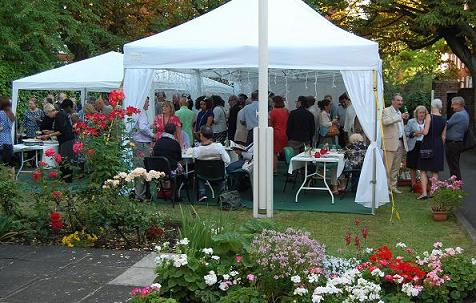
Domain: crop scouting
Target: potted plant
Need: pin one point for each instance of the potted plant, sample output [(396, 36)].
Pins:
[(447, 195)]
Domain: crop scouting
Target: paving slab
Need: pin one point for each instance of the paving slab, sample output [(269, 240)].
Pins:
[(50, 274), (141, 273)]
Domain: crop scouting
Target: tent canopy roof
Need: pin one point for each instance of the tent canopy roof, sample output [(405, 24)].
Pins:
[(101, 72), (298, 38), (105, 72)]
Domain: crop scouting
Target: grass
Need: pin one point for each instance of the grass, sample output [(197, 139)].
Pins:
[(416, 228)]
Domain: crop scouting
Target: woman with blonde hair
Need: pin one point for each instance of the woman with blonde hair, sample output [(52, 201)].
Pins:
[(432, 151), (414, 133), (168, 116)]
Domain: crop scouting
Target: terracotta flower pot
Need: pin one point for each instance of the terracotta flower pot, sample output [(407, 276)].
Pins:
[(440, 215)]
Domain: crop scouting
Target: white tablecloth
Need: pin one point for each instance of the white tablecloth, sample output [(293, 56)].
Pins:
[(298, 161), (41, 150)]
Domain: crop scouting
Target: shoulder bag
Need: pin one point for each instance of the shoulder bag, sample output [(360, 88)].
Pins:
[(427, 154), (469, 142)]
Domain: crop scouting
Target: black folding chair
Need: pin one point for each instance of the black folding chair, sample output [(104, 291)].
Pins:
[(352, 175), (162, 164), (209, 171)]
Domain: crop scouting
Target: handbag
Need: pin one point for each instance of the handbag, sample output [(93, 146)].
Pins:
[(469, 142), (333, 131), (230, 200), (428, 152)]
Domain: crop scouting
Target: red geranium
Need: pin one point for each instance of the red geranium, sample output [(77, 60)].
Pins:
[(42, 164), (130, 110), (50, 152), (91, 131), (53, 174), (116, 97), (78, 147), (36, 175), (58, 158)]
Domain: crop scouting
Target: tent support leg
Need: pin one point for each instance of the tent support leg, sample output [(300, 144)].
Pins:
[(374, 168)]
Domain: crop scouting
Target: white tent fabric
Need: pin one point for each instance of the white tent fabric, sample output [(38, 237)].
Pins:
[(105, 73), (360, 88), (299, 39)]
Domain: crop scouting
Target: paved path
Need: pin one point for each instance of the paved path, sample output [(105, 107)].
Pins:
[(57, 274), (468, 171)]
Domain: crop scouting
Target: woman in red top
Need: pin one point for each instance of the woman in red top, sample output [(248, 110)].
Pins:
[(168, 116), (278, 120)]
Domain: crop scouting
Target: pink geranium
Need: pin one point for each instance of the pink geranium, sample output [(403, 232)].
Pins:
[(50, 152)]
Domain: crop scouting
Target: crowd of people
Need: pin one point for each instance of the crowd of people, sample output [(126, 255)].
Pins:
[(423, 140), (207, 125)]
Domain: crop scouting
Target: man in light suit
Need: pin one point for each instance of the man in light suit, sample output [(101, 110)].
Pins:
[(394, 140)]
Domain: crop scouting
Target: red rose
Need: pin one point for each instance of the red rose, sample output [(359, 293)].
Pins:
[(53, 174), (36, 175), (50, 152), (57, 194), (58, 158), (55, 216), (42, 164)]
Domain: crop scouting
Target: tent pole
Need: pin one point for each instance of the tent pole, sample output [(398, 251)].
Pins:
[(374, 168), (84, 95), (262, 172)]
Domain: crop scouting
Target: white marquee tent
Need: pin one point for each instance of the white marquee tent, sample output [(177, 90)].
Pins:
[(105, 73), (301, 44)]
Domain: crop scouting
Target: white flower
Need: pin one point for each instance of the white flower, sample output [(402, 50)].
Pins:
[(398, 278), (410, 290), (211, 278), (226, 277), (233, 273), (401, 245), (377, 272), (296, 279), (208, 251), (224, 285), (313, 278), (317, 298), (156, 286), (300, 291), (158, 248), (369, 250), (216, 258), (473, 261), (184, 242), (180, 260), (459, 250)]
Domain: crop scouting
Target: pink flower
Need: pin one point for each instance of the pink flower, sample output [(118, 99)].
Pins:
[(437, 245), (78, 147), (251, 277), (388, 278), (58, 158), (238, 259), (50, 152)]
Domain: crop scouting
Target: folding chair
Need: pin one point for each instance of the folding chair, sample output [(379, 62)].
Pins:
[(209, 171), (162, 164), (288, 154)]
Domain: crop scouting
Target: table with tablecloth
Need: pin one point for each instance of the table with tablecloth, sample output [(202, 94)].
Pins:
[(39, 154), (303, 159)]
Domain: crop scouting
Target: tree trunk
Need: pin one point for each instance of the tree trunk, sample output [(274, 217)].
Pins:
[(473, 90)]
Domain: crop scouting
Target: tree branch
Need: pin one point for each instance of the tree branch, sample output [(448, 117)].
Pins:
[(422, 44), (457, 44)]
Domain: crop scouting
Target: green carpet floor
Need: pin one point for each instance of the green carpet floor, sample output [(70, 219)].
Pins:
[(309, 200)]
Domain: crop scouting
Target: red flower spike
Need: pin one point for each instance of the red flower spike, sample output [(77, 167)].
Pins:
[(365, 232), (348, 238), (356, 222), (357, 241)]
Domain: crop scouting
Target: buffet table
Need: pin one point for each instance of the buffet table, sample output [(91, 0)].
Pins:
[(39, 150)]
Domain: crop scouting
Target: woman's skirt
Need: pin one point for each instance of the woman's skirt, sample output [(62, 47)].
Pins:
[(413, 156)]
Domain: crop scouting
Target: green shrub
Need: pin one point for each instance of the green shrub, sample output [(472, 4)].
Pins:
[(243, 295), (9, 192)]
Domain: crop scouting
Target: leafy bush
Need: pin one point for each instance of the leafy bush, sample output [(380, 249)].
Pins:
[(9, 228), (9, 192), (243, 295)]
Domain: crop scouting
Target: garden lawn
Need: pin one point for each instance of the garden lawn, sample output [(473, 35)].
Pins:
[(416, 228)]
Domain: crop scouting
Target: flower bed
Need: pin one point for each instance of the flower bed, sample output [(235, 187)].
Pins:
[(289, 266)]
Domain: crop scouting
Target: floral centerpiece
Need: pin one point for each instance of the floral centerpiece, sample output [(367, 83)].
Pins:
[(447, 195)]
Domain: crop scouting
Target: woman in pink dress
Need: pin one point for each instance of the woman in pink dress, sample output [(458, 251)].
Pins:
[(278, 120), (168, 116)]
